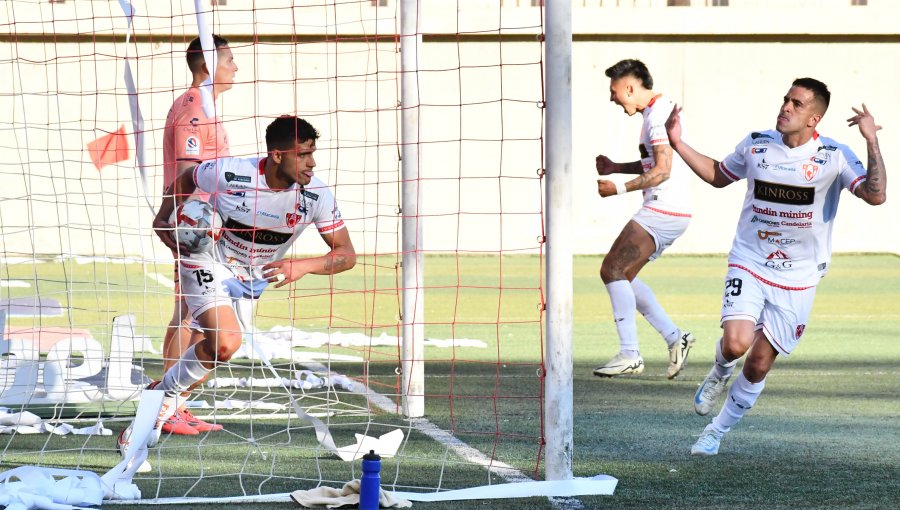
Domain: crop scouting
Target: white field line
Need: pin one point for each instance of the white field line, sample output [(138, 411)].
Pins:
[(15, 283), (162, 280)]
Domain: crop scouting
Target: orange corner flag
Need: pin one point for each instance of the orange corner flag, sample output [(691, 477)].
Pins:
[(110, 148)]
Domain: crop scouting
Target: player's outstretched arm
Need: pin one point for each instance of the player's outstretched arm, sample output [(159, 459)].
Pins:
[(606, 166), (341, 258), (705, 167), (874, 189), (182, 187)]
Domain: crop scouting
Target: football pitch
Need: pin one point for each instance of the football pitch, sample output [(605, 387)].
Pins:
[(824, 434)]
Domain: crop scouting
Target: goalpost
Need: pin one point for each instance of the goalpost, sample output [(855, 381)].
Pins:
[(432, 122)]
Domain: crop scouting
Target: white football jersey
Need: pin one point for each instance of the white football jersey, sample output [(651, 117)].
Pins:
[(259, 224), (784, 233), (674, 195)]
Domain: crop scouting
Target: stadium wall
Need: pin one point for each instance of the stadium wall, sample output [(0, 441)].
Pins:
[(729, 68)]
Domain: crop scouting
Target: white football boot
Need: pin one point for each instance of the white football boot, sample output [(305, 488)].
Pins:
[(709, 392), (621, 364), (678, 354)]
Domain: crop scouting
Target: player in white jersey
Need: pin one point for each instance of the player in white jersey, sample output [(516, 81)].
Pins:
[(265, 203), (782, 246), (664, 180)]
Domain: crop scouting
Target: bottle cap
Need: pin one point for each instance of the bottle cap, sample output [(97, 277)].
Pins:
[(371, 456)]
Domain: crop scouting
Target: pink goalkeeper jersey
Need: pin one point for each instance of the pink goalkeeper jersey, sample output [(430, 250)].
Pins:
[(190, 135), (784, 232), (674, 195)]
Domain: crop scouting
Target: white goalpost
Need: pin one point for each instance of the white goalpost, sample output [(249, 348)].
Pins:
[(448, 349)]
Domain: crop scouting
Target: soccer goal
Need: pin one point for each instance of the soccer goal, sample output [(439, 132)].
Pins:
[(430, 351)]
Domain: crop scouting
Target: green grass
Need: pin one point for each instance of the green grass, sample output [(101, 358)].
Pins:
[(824, 433)]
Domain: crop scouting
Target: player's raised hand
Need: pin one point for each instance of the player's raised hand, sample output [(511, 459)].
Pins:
[(606, 188), (605, 166), (865, 121), (673, 126)]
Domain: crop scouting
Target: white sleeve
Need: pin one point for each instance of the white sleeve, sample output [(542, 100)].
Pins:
[(326, 214), (853, 173), (734, 166), (206, 175), (656, 125)]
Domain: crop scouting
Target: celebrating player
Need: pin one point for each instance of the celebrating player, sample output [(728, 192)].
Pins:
[(190, 137), (664, 216), (782, 247), (265, 203)]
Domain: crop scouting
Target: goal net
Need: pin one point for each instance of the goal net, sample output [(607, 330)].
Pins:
[(324, 372)]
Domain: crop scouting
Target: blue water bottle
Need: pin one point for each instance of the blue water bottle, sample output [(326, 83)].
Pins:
[(370, 483)]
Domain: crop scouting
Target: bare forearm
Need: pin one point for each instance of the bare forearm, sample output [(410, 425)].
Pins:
[(874, 188), (705, 167), (654, 177), (333, 262), (633, 167)]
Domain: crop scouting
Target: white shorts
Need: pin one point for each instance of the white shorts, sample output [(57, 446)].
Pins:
[(207, 284), (780, 313), (664, 228)]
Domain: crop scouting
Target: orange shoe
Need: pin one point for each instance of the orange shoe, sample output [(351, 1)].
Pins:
[(198, 424), (179, 426)]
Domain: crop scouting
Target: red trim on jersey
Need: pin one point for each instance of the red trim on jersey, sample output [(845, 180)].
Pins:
[(262, 166), (815, 135), (727, 172), (772, 339), (334, 226), (657, 96), (856, 182), (767, 282), (670, 213)]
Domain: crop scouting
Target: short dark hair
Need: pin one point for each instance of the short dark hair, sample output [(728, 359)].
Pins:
[(631, 67), (287, 130), (194, 53), (820, 90)]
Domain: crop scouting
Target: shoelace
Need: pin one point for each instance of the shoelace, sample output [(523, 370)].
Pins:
[(710, 389), (188, 416), (707, 439)]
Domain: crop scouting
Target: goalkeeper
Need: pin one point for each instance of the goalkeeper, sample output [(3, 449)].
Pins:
[(189, 138), (265, 203)]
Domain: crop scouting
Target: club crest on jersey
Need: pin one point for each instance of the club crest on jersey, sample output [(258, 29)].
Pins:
[(292, 219), (192, 146), (800, 329), (810, 170)]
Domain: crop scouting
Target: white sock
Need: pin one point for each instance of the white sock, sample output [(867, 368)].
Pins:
[(183, 373), (723, 367), (650, 308), (623, 304), (741, 397)]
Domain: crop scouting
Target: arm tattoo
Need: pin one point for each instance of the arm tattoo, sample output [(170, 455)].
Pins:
[(336, 263), (875, 175)]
